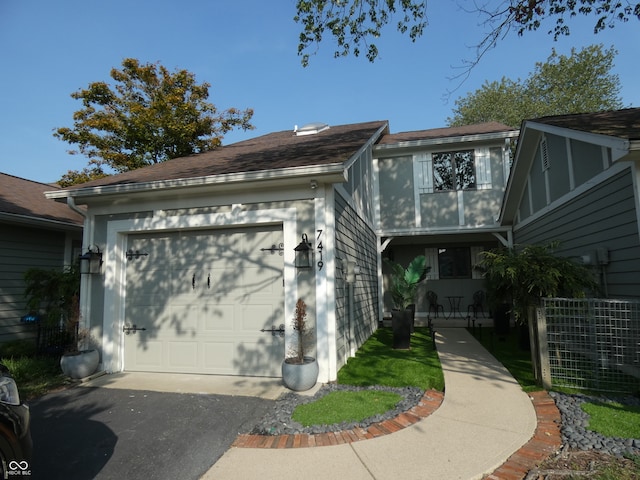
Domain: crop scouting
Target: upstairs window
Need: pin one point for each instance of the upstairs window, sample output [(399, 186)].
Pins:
[(454, 171)]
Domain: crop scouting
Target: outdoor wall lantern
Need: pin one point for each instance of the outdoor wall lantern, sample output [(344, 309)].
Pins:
[(304, 257), (91, 261)]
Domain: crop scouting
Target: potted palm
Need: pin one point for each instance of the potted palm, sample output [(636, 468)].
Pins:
[(404, 285), (300, 371), (57, 293)]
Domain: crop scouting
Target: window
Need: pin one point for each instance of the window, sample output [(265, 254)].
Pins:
[(454, 171), (454, 262)]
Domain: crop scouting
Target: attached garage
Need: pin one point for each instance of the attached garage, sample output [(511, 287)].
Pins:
[(199, 302), (199, 271)]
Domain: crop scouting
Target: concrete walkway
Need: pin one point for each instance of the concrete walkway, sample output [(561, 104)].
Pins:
[(485, 417)]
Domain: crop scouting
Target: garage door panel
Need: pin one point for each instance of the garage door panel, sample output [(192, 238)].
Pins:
[(182, 354), (205, 305)]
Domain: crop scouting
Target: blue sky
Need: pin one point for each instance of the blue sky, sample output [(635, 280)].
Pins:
[(247, 51)]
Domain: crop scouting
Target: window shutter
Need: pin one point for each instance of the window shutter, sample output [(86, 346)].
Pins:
[(431, 255), (483, 169), (476, 258), (424, 168)]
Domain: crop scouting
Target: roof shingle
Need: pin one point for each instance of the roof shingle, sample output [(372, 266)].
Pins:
[(26, 198)]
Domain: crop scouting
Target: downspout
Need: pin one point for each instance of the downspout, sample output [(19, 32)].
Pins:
[(71, 203)]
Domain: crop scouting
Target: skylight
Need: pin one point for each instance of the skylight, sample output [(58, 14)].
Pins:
[(311, 128)]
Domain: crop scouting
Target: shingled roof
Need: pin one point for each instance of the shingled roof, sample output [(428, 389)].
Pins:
[(279, 150), (618, 123), (477, 129), (25, 200)]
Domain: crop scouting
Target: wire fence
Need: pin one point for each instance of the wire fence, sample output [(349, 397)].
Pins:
[(590, 344)]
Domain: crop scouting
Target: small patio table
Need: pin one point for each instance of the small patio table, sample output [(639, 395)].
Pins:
[(454, 305)]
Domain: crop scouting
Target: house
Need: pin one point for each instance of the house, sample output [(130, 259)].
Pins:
[(198, 254), (34, 232), (439, 194), (575, 179)]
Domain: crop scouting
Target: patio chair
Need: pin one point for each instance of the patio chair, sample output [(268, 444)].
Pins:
[(434, 306), (478, 304)]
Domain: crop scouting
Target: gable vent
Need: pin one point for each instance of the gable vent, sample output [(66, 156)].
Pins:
[(544, 151), (310, 129)]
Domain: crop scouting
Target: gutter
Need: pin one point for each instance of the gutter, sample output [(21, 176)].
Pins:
[(448, 140), (336, 171)]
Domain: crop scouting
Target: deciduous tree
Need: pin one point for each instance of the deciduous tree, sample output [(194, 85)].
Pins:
[(579, 83), (147, 116)]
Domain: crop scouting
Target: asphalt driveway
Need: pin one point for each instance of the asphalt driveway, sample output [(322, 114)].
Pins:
[(85, 432)]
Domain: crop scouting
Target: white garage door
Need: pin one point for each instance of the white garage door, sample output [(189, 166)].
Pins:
[(202, 298)]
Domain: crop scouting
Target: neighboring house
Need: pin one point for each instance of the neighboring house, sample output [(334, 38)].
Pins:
[(576, 179), (439, 194), (34, 232), (199, 251)]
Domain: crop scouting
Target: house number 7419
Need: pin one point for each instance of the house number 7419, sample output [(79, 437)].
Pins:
[(319, 248)]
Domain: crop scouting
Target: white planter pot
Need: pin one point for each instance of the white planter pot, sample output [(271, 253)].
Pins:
[(80, 365), (300, 376)]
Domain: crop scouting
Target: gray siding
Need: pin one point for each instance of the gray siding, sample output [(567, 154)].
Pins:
[(397, 204), (355, 242), (22, 248), (602, 217)]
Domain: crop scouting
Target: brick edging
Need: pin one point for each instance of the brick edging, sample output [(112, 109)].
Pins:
[(545, 442), (428, 404)]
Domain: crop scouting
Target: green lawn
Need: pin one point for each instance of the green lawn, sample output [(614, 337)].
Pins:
[(377, 363)]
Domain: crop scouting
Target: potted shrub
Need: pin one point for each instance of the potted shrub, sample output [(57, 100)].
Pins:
[(57, 292), (300, 371), (404, 284)]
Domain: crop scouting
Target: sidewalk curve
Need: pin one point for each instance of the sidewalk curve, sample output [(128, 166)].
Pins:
[(484, 419)]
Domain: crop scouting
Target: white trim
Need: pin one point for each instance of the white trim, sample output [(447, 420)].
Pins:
[(375, 169), (572, 180), (619, 146), (325, 285), (114, 264), (461, 218)]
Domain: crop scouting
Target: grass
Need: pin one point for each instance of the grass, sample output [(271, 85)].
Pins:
[(35, 376), (613, 419), (377, 363), (337, 407)]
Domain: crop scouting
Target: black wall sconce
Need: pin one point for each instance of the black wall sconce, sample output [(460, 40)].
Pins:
[(304, 257), (91, 261)]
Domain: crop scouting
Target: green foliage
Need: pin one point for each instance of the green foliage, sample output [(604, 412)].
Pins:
[(18, 348), (579, 83), (377, 363), (529, 14), (56, 292), (353, 23), (35, 376), (150, 115), (613, 419), (404, 282), (340, 406), (522, 276)]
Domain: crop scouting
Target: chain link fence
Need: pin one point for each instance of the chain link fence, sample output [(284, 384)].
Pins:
[(589, 344)]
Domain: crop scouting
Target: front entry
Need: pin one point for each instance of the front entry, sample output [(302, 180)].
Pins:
[(198, 302)]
